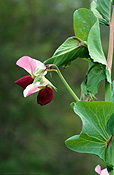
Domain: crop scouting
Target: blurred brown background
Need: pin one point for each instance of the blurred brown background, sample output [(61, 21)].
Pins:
[(32, 137)]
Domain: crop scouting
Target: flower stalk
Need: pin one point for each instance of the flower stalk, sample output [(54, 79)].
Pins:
[(64, 82)]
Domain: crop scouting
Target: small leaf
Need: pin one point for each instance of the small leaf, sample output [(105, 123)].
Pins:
[(95, 74), (84, 88), (110, 125), (104, 8), (86, 27), (71, 49), (94, 77), (84, 19), (93, 137), (97, 14), (94, 45)]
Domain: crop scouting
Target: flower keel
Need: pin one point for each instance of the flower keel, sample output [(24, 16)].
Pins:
[(45, 96)]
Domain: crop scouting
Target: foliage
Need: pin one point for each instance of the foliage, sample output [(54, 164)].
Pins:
[(94, 138), (94, 135), (28, 139), (31, 137)]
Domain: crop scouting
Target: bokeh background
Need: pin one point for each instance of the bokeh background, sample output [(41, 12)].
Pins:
[(32, 137)]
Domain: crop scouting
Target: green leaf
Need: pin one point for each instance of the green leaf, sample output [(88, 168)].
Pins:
[(86, 27), (94, 45), (110, 130), (86, 144), (94, 77), (84, 19), (104, 8), (87, 34), (97, 14), (93, 137), (95, 74), (110, 125), (71, 49)]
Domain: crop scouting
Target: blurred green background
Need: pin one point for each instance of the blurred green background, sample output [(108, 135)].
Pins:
[(32, 137)]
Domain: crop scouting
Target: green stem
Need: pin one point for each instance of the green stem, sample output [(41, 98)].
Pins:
[(111, 155), (108, 88), (67, 86), (109, 59), (65, 83), (107, 91), (111, 173)]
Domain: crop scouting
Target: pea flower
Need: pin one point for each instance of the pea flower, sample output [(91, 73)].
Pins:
[(36, 81), (101, 172)]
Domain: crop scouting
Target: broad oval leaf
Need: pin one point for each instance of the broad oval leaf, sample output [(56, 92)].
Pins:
[(110, 125), (86, 27), (86, 144), (84, 19), (97, 14), (94, 77), (71, 49), (95, 74), (94, 45), (104, 8), (94, 136)]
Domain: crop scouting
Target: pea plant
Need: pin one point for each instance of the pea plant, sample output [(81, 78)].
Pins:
[(96, 136)]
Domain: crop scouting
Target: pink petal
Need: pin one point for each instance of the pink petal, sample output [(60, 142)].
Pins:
[(25, 81), (45, 96), (30, 64), (32, 88), (104, 172), (98, 169)]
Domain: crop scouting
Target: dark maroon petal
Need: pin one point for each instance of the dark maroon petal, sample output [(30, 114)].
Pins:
[(25, 81), (45, 96)]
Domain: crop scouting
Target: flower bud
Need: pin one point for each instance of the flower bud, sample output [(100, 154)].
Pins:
[(45, 96)]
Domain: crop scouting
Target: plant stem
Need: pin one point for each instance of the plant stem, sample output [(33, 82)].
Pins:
[(111, 38), (108, 87), (67, 86), (65, 83), (109, 59), (111, 155), (107, 91)]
